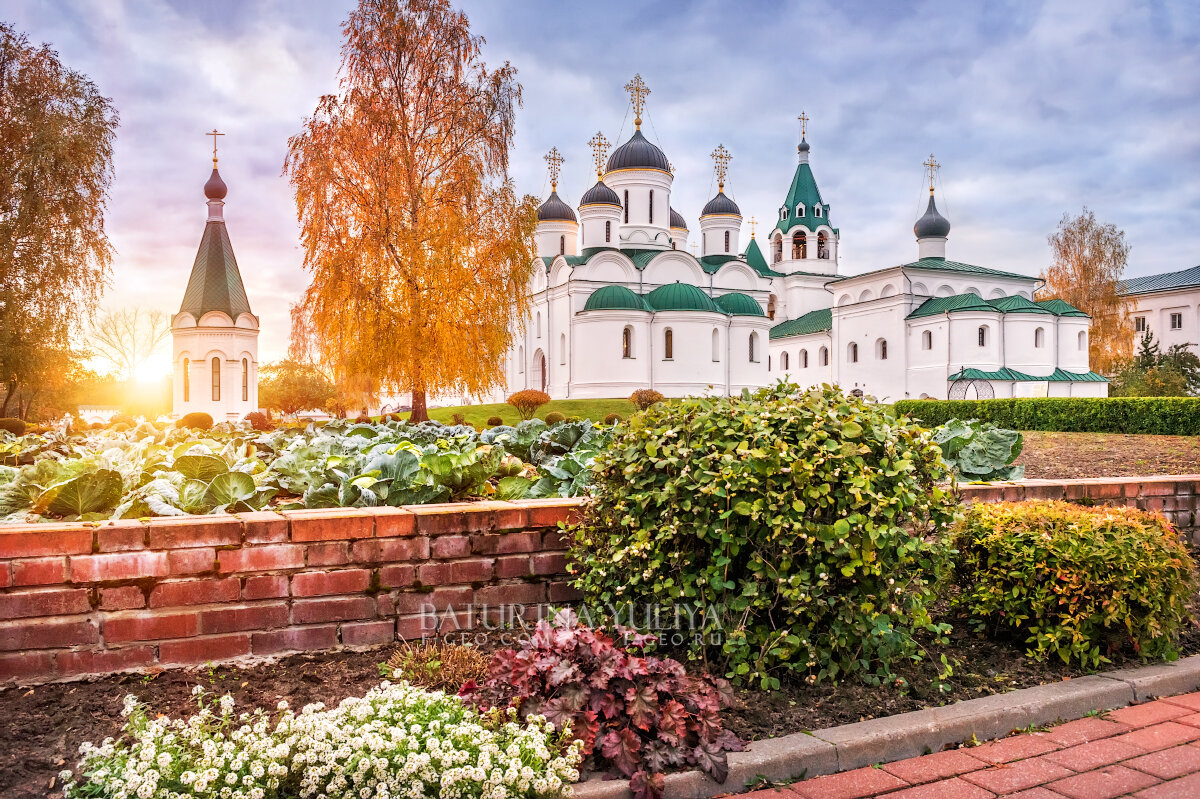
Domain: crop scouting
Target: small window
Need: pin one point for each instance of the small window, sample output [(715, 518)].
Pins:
[(652, 206), (627, 343), (824, 356), (607, 232), (627, 206), (800, 211), (716, 345), (881, 349), (726, 241), (983, 336), (927, 340), (753, 348), (187, 380), (245, 380), (539, 324), (1039, 337), (783, 361), (1139, 324), (803, 359), (521, 360), (668, 344), (852, 354), (216, 379), (816, 210), (768, 363), (1082, 340), (783, 214), (562, 349), (1177, 321), (562, 245)]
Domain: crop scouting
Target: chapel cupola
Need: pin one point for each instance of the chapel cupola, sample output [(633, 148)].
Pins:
[(932, 229), (803, 231), (640, 174), (721, 219), (557, 229), (600, 208)]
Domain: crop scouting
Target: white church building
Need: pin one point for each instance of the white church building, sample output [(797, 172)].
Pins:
[(215, 334), (619, 303)]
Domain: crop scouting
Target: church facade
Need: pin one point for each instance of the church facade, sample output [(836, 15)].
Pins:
[(619, 303)]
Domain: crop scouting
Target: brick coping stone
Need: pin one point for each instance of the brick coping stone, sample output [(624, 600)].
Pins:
[(907, 735)]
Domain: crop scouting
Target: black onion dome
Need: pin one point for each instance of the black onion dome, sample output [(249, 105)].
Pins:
[(677, 220), (638, 153), (600, 194), (555, 210), (933, 224), (215, 188), (721, 204), (803, 146)]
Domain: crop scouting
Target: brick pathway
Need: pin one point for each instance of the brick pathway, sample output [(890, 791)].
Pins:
[(1148, 751)]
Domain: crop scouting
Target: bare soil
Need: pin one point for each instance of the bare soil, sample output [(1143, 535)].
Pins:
[(1057, 456)]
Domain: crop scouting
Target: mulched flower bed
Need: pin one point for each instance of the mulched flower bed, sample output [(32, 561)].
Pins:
[(1059, 456), (44, 725)]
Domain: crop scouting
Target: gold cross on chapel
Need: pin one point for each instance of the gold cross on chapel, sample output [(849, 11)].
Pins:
[(599, 146), (721, 159), (638, 90), (933, 167), (214, 134), (555, 160), (803, 124), (753, 224)]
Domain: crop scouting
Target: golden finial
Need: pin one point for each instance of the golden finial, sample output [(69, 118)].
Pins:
[(638, 90), (214, 134), (555, 160), (803, 124), (599, 146), (721, 159), (753, 223), (933, 166)]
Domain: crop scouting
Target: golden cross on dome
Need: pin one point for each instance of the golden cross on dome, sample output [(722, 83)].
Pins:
[(638, 90), (933, 166), (555, 160), (599, 146), (214, 134), (803, 124), (753, 223), (721, 159)]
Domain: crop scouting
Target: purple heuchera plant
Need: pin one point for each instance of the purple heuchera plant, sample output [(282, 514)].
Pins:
[(639, 715)]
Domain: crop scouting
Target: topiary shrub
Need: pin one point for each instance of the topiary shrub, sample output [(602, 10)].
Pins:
[(645, 397), (554, 417), (1080, 584), (800, 521), (612, 418), (196, 420), (494, 421), (528, 401), (258, 420), (14, 426)]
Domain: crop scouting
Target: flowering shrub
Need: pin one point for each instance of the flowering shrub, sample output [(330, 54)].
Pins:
[(797, 524), (1078, 583), (643, 714), (395, 741)]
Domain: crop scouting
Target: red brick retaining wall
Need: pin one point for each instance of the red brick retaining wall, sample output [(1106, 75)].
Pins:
[(86, 598)]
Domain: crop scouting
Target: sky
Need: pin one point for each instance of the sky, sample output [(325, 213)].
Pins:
[(1033, 109)]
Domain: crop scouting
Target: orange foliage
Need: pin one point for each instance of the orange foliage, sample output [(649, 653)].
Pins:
[(528, 401)]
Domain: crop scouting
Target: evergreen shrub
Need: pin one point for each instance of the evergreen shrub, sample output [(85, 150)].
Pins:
[(554, 417), (1081, 584), (1166, 416), (802, 523), (14, 426), (196, 420)]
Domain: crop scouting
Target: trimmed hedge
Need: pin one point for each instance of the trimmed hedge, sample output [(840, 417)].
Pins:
[(1165, 416)]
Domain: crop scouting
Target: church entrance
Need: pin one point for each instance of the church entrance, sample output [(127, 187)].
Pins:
[(539, 360)]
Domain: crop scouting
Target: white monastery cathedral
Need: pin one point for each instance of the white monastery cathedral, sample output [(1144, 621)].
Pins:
[(619, 303)]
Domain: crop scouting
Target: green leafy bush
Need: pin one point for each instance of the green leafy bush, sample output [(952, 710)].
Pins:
[(554, 417), (980, 451), (14, 426), (796, 520), (1167, 416), (196, 420), (1078, 583)]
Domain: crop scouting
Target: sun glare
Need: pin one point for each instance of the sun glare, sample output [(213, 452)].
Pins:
[(153, 369)]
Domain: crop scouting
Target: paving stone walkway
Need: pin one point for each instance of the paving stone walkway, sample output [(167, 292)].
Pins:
[(1148, 751)]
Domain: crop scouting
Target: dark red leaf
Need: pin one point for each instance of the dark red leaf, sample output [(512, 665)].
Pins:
[(642, 704), (711, 758), (647, 786), (622, 748)]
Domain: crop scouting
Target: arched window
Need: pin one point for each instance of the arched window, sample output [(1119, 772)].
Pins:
[(627, 206), (627, 342), (881, 349), (562, 245), (822, 243), (216, 379), (783, 362), (817, 210), (716, 345), (187, 380), (1039, 337), (800, 245), (777, 247), (753, 348), (852, 352), (768, 363), (562, 348), (1082, 340), (783, 214), (245, 380), (652, 206), (726, 241), (668, 344), (520, 360), (824, 356), (983, 335), (800, 211), (927, 340), (803, 359), (608, 231), (539, 324)]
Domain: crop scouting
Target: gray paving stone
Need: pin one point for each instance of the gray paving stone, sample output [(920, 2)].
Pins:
[(784, 758), (880, 740), (1161, 679)]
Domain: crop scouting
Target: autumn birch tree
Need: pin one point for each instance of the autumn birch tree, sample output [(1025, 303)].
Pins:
[(1089, 259), (419, 247)]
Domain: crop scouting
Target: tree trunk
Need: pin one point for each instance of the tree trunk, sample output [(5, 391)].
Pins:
[(8, 396), (419, 413)]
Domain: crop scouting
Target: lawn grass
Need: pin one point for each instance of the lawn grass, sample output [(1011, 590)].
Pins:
[(594, 409)]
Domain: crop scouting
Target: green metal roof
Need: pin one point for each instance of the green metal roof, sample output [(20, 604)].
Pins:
[(711, 263), (817, 321), (942, 265), (1017, 304), (1057, 376), (755, 258), (1185, 278), (737, 304), (1061, 308), (957, 302), (680, 297), (803, 190), (615, 298), (215, 283)]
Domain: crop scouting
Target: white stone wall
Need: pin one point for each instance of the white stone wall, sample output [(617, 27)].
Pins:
[(232, 344), (1157, 308)]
